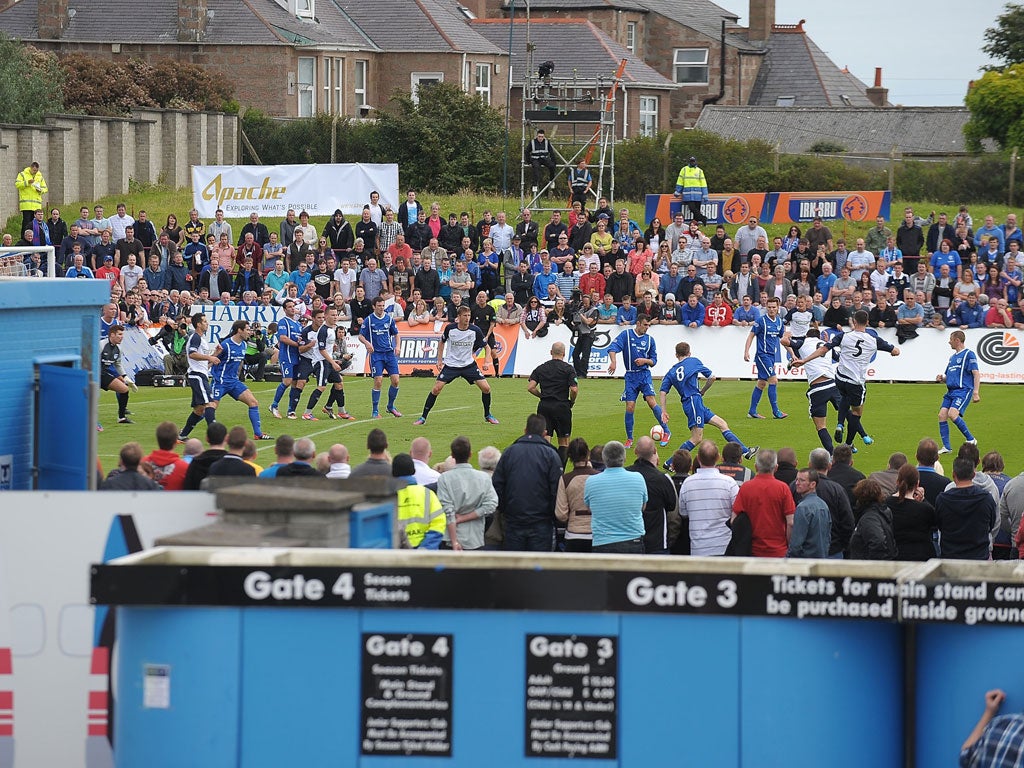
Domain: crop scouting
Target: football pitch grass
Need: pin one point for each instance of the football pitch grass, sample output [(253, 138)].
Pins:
[(897, 416)]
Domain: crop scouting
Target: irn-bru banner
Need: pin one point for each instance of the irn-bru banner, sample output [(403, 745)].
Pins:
[(777, 207), (417, 348)]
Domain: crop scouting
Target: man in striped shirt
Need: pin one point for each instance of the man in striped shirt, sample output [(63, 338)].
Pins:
[(706, 498)]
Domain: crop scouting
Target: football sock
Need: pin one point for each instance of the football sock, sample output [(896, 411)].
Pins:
[(659, 415), (630, 417), (375, 396), (730, 436), (826, 439), (431, 399), (962, 426), (855, 428), (485, 398), (190, 423), (210, 414), (279, 394), (311, 403), (392, 396), (755, 398), (293, 399), (122, 404), (254, 419), (687, 446), (773, 397), (944, 433), (563, 454)]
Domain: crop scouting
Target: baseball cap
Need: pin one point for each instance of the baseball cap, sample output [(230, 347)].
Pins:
[(108, 257)]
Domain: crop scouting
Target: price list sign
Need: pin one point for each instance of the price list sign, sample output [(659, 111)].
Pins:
[(571, 696), (407, 695)]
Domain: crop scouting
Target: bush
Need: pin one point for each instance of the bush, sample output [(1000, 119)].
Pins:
[(30, 83)]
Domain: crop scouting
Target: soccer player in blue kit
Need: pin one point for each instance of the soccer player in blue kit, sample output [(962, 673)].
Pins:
[(768, 330), (224, 375), (379, 334), (684, 377), (289, 330), (963, 380), (639, 356)]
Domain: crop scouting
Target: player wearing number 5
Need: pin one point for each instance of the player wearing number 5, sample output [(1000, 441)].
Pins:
[(962, 383), (684, 377), (639, 356), (856, 350)]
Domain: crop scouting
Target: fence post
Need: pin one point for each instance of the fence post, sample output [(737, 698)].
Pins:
[(1013, 172), (892, 168)]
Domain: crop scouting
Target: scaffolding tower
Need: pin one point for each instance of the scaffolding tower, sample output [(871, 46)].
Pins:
[(587, 108)]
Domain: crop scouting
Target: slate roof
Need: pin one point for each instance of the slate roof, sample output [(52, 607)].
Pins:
[(571, 44), (796, 67), (703, 16), (381, 25), (416, 26), (875, 130)]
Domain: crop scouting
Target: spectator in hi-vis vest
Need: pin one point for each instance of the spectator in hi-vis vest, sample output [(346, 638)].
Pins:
[(692, 187), (31, 187)]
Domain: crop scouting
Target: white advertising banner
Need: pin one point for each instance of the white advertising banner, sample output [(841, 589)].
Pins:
[(270, 190), (721, 350)]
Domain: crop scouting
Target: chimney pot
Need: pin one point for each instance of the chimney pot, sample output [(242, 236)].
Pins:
[(878, 77)]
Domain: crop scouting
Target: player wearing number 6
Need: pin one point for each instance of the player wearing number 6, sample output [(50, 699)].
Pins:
[(962, 383), (685, 377), (856, 350)]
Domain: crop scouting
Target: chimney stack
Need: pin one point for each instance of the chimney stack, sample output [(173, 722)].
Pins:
[(191, 20), (52, 18), (762, 19), (876, 94)]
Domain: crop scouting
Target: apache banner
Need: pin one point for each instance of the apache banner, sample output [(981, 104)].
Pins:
[(776, 207), (270, 190)]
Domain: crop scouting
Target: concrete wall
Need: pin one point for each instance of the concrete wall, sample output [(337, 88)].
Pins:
[(85, 158)]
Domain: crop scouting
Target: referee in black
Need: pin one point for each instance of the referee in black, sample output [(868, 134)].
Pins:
[(554, 383)]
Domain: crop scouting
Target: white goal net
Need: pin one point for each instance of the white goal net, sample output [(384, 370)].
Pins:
[(17, 261)]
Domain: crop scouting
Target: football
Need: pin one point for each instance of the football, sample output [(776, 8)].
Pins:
[(657, 433)]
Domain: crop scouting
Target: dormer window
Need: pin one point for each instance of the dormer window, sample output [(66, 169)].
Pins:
[(304, 9)]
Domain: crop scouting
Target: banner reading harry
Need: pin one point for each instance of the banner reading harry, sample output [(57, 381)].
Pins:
[(270, 190)]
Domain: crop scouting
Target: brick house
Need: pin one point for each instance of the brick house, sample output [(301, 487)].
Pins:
[(287, 57), (702, 48), (588, 53)]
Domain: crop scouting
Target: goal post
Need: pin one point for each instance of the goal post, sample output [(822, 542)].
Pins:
[(14, 260)]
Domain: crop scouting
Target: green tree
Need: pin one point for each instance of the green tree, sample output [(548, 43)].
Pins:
[(1005, 41), (445, 140), (30, 83), (996, 102)]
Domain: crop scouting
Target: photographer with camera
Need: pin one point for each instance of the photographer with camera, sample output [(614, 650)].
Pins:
[(258, 350), (174, 336)]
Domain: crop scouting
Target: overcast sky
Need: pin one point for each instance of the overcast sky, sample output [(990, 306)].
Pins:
[(928, 51)]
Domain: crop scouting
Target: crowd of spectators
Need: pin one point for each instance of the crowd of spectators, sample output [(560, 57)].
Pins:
[(707, 503)]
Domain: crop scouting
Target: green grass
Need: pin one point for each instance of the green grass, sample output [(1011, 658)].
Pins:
[(896, 415)]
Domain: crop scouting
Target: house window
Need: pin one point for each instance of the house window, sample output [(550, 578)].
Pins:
[(691, 66), (648, 115), (631, 36), (307, 86), (362, 83), (424, 79), (304, 9), (483, 83), (334, 80)]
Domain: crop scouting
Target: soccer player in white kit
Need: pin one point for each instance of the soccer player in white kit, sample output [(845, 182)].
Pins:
[(856, 349), (821, 389)]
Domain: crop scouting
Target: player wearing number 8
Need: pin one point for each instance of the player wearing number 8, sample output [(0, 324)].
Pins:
[(684, 377)]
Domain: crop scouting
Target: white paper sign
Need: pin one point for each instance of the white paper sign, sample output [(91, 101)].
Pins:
[(156, 686)]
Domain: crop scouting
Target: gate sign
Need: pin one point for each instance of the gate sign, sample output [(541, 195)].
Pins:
[(776, 207)]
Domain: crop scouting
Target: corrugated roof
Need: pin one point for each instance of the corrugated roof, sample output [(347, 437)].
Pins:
[(574, 45), (875, 130), (795, 67)]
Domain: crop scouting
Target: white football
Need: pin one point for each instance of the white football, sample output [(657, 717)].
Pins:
[(657, 433)]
